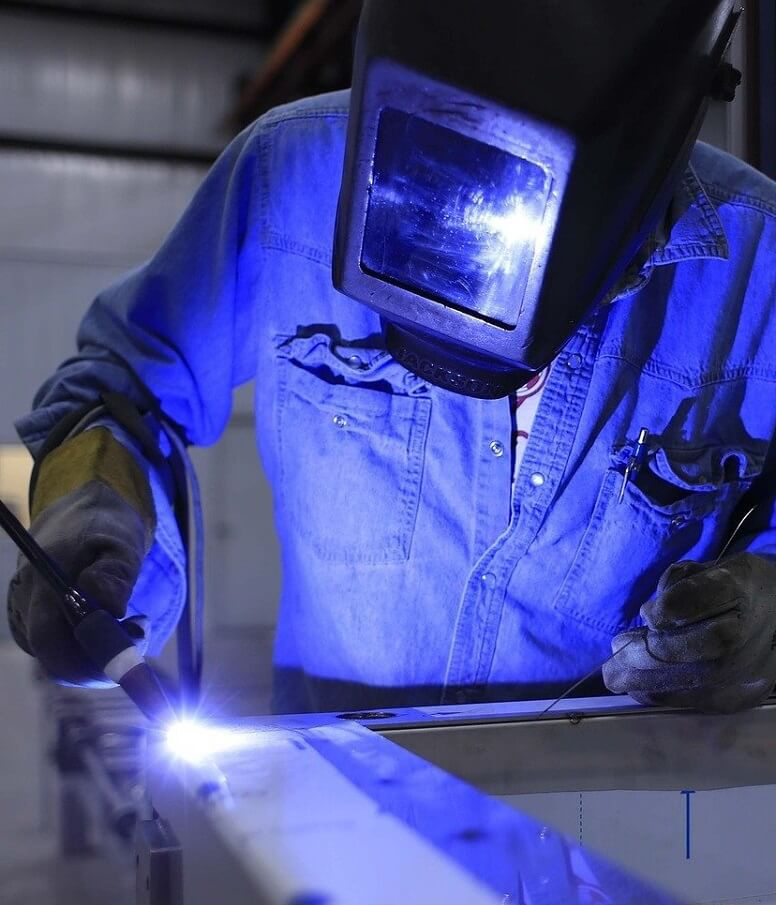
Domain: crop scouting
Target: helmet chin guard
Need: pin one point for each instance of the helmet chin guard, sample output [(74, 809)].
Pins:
[(451, 367)]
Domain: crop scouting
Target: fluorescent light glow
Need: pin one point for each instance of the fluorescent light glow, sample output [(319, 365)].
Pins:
[(194, 741)]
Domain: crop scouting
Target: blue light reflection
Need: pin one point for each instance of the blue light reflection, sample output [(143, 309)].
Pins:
[(194, 741), (453, 218)]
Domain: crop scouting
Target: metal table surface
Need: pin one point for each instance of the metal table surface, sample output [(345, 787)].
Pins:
[(474, 804)]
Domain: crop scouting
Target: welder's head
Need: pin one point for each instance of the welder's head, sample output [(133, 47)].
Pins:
[(505, 163)]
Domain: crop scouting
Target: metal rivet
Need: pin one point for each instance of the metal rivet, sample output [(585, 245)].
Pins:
[(537, 479), (355, 362), (574, 362), (497, 448), (340, 420), (488, 579)]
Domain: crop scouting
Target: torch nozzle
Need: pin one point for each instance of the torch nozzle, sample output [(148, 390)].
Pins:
[(143, 687)]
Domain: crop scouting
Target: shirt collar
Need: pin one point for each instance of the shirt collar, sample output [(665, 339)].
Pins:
[(691, 230)]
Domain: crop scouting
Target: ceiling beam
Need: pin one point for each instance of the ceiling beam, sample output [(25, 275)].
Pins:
[(320, 33)]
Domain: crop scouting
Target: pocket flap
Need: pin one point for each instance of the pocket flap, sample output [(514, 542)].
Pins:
[(346, 399), (706, 469), (336, 361), (351, 456)]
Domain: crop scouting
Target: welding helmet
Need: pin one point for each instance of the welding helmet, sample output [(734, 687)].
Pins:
[(505, 163)]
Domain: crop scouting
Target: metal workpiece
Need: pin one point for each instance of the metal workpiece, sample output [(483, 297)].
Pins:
[(333, 808), (158, 863), (592, 745)]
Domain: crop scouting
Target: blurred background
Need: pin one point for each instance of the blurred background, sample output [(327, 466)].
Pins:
[(111, 112)]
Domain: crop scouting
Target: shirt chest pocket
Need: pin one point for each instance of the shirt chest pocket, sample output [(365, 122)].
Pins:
[(351, 464), (679, 506)]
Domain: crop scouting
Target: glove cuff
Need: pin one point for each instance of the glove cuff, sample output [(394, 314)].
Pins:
[(94, 455)]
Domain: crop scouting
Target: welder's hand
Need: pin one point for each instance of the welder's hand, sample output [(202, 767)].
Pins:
[(709, 641), (93, 513)]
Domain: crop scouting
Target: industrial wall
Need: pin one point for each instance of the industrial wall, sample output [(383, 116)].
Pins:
[(108, 123)]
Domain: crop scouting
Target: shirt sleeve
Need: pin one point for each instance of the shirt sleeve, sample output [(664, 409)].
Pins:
[(180, 329), (180, 333)]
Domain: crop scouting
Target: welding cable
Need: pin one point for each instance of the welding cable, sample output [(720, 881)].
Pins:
[(190, 631)]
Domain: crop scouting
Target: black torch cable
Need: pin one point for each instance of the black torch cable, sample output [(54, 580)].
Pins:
[(43, 563)]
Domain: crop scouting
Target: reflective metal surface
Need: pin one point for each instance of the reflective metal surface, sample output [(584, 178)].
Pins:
[(321, 808), (591, 744)]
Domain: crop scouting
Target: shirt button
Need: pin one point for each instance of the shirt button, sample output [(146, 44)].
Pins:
[(537, 479), (497, 448), (488, 579), (678, 520), (574, 362), (340, 420)]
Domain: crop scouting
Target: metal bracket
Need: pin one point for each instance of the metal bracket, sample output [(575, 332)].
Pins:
[(159, 864)]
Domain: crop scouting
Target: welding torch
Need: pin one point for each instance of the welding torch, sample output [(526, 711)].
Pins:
[(103, 638)]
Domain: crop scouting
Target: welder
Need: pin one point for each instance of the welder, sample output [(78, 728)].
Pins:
[(514, 361)]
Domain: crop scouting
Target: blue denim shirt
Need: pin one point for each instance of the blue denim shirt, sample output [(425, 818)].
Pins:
[(415, 569)]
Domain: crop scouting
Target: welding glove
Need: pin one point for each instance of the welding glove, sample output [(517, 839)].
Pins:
[(92, 511), (710, 638)]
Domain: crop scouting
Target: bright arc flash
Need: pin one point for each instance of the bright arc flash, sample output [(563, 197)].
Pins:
[(503, 232), (194, 742)]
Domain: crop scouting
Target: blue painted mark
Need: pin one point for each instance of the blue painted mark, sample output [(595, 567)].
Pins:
[(687, 793)]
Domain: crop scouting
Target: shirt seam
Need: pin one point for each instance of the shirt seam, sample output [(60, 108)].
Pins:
[(271, 239), (270, 121), (672, 375), (720, 193)]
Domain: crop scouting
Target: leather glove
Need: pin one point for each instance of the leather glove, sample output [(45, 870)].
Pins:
[(92, 512), (710, 638)]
